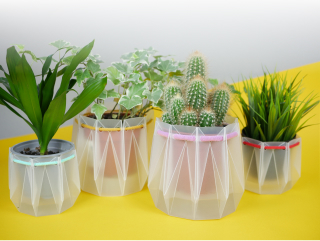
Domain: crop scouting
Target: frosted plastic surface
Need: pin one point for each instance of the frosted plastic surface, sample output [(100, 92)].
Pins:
[(111, 163), (271, 171), (196, 179), (41, 190)]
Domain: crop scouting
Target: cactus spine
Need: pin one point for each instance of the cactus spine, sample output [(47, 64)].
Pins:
[(197, 93), (171, 90), (207, 118), (220, 103), (196, 66), (188, 117), (176, 107), (166, 118)]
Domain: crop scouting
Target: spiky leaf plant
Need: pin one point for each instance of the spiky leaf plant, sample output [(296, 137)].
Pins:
[(176, 107), (207, 118), (220, 103), (45, 110), (273, 110), (188, 117)]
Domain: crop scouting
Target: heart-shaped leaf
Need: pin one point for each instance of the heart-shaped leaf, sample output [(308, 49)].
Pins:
[(153, 75), (112, 93), (168, 66), (129, 103), (103, 95), (93, 67), (98, 110), (60, 44), (114, 75), (123, 68), (67, 60), (133, 78), (137, 89), (153, 96), (127, 57)]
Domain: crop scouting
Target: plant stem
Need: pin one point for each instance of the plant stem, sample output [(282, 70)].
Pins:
[(114, 108)]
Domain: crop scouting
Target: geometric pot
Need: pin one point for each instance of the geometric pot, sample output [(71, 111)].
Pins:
[(112, 155), (196, 172), (271, 167), (44, 185)]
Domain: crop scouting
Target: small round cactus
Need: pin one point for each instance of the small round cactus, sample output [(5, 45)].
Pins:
[(220, 103), (197, 93), (196, 66), (207, 118), (171, 90), (176, 107), (166, 118), (188, 118)]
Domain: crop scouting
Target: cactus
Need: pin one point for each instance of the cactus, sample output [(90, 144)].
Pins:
[(176, 107), (185, 103), (220, 103), (188, 117), (171, 90), (197, 93), (166, 118), (196, 66), (207, 118)]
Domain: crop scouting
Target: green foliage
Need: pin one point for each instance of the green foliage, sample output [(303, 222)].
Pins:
[(176, 107), (44, 110), (273, 110), (196, 66), (188, 118), (220, 104), (197, 94), (166, 118), (207, 118)]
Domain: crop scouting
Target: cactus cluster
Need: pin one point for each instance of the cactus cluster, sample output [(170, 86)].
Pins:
[(190, 103)]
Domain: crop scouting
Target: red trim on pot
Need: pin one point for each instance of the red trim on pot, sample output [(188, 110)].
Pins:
[(270, 147)]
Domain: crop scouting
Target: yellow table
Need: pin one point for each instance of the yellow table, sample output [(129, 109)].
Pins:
[(292, 215)]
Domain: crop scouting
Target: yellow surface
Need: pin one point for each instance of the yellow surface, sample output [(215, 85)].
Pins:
[(292, 215)]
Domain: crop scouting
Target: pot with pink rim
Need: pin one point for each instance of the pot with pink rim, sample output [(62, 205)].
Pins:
[(196, 172)]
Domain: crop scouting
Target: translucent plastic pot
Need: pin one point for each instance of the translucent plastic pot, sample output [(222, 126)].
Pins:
[(196, 172), (44, 185), (112, 155), (271, 167)]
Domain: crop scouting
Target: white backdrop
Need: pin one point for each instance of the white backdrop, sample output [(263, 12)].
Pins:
[(238, 37)]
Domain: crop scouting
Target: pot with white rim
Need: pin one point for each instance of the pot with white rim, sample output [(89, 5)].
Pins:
[(196, 172), (113, 154), (43, 185), (271, 167)]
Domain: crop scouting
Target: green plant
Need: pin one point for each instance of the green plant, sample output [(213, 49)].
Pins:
[(188, 117), (140, 76), (273, 110), (220, 103), (207, 118), (198, 106), (45, 110)]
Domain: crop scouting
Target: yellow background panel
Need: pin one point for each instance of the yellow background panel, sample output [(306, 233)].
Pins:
[(292, 215)]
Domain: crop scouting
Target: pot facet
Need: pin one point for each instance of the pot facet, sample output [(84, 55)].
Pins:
[(113, 161), (44, 185), (196, 172), (271, 167)]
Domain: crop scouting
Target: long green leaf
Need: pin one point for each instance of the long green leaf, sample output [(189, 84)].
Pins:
[(48, 89), (12, 59), (27, 91), (46, 65), (78, 58), (9, 98), (87, 96), (52, 120)]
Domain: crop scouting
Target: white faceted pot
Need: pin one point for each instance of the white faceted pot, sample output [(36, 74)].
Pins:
[(271, 167), (112, 155), (196, 172), (44, 185)]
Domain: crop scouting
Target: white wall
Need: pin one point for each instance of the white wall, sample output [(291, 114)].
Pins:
[(238, 37)]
